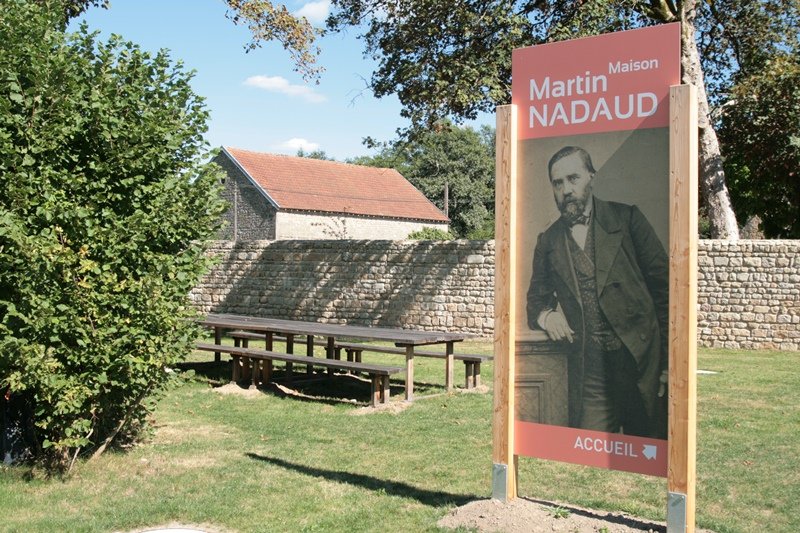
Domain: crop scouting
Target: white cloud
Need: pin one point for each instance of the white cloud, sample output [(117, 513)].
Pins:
[(278, 84), (315, 12), (295, 144)]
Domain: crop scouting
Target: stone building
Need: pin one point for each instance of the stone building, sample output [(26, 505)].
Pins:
[(278, 197)]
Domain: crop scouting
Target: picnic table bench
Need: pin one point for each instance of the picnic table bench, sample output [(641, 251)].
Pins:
[(379, 374), (472, 362), (405, 339), (243, 338)]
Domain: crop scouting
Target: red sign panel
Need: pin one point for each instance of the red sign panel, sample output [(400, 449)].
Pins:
[(613, 82), (616, 451)]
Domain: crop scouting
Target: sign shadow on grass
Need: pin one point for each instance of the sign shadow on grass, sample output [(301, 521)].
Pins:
[(395, 488), (620, 519)]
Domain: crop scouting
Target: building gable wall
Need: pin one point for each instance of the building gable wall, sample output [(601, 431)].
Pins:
[(249, 216)]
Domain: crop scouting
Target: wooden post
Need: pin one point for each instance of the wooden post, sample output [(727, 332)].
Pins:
[(682, 310), (268, 341), (309, 352), (217, 340), (503, 472), (386, 389), (289, 350), (330, 348), (266, 371), (449, 361), (289, 343), (246, 369), (409, 373), (375, 396), (254, 372), (235, 370)]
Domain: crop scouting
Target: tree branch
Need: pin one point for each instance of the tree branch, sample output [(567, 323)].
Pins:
[(102, 448)]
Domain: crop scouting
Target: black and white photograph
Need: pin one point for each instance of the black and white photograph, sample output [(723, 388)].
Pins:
[(593, 282)]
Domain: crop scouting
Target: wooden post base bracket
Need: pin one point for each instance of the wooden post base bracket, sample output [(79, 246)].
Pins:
[(500, 482)]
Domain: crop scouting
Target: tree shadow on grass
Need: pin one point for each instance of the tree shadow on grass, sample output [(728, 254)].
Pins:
[(394, 488), (320, 389), (215, 373), (337, 387), (349, 386)]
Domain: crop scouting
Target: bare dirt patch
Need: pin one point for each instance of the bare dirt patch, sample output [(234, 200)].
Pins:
[(524, 515), (480, 389), (233, 388), (391, 407)]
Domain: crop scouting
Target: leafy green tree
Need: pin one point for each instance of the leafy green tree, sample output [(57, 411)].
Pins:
[(453, 167), (71, 8), (272, 21), (760, 132), (430, 234), (389, 155), (104, 213), (314, 154)]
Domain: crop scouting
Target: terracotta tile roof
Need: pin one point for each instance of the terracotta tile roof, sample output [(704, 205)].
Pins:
[(314, 185)]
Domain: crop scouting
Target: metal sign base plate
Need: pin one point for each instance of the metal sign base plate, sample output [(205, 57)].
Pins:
[(676, 512), (499, 482)]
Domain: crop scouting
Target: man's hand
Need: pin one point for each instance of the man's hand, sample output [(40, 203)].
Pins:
[(662, 383), (556, 326)]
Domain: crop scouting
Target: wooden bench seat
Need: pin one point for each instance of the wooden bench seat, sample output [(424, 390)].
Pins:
[(243, 338), (472, 362), (379, 374)]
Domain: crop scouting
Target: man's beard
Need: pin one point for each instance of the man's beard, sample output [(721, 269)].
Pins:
[(572, 208)]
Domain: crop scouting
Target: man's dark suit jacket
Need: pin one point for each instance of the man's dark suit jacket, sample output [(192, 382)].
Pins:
[(632, 271)]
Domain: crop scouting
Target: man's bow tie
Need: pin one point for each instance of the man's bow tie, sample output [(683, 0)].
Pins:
[(580, 219)]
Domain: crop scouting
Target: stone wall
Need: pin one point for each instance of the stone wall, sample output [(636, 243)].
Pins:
[(748, 292), (413, 284)]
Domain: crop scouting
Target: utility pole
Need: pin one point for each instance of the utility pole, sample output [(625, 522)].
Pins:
[(446, 199)]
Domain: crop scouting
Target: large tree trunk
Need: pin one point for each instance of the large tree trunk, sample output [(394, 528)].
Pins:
[(712, 176)]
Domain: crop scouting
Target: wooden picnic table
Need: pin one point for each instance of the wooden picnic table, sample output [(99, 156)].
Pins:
[(404, 338)]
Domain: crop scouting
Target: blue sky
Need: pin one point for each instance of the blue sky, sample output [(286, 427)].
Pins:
[(257, 101)]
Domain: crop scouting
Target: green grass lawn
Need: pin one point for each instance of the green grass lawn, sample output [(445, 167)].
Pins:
[(268, 461)]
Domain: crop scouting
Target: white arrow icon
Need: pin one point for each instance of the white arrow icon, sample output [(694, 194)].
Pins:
[(649, 451)]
